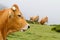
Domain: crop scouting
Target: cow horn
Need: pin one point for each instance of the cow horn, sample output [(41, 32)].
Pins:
[(14, 8)]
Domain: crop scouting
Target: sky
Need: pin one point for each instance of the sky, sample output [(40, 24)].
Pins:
[(42, 8)]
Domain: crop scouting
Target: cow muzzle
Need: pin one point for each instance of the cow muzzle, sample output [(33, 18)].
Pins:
[(25, 28)]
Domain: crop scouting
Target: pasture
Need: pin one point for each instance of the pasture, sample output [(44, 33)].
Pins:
[(36, 32)]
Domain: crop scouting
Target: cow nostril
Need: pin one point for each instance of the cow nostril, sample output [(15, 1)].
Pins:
[(28, 26)]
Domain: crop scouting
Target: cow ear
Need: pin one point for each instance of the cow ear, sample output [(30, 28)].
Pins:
[(13, 8), (10, 14)]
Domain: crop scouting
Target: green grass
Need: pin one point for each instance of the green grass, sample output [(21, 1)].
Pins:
[(36, 32), (56, 28)]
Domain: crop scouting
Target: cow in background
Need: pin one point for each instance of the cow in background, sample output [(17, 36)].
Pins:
[(43, 20), (34, 19)]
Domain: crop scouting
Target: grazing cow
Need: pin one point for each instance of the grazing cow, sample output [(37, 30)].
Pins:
[(11, 20), (34, 19), (43, 20)]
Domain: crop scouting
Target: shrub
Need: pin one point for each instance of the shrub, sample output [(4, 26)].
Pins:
[(56, 28)]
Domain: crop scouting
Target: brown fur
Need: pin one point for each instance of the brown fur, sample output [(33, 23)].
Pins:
[(10, 21), (34, 19), (43, 20)]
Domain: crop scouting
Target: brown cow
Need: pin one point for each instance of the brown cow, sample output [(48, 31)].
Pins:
[(34, 19), (11, 19), (43, 20)]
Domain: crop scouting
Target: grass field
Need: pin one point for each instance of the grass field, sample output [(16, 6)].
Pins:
[(36, 32)]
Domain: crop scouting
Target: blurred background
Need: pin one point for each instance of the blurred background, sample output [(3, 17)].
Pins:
[(42, 8)]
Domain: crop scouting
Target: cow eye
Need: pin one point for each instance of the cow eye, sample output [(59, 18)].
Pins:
[(19, 15)]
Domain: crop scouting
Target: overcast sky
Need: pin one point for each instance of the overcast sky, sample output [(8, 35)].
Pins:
[(50, 8)]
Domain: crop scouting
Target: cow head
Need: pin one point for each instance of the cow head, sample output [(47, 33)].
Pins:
[(46, 18), (16, 19)]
